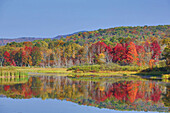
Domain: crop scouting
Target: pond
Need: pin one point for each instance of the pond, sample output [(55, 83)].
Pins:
[(61, 94)]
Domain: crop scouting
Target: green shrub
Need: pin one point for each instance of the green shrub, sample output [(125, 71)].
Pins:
[(104, 67)]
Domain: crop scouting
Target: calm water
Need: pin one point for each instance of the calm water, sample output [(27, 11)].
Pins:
[(57, 94)]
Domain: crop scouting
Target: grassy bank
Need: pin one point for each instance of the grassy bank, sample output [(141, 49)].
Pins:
[(95, 70), (36, 69), (105, 67), (53, 71), (117, 70)]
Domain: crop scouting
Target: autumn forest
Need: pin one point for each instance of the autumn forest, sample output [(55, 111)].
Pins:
[(137, 46)]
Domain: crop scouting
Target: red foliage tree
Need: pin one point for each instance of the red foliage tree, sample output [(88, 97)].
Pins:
[(141, 54), (98, 48), (119, 53), (156, 50), (7, 58)]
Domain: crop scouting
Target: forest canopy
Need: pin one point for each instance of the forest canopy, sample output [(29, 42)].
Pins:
[(140, 45)]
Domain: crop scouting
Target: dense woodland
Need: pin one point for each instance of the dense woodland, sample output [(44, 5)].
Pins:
[(139, 46)]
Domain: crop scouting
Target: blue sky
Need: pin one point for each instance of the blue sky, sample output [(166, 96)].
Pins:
[(49, 18)]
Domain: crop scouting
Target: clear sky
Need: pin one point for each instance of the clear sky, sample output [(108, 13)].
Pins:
[(49, 18)]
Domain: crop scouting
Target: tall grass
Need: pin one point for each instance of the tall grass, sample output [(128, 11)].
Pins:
[(105, 67), (35, 69)]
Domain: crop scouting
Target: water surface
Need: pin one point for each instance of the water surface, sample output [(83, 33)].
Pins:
[(42, 94)]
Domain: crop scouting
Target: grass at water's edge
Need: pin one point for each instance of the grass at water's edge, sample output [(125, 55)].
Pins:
[(35, 69), (65, 72)]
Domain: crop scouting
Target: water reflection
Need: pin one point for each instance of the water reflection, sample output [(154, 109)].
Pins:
[(13, 79), (118, 95)]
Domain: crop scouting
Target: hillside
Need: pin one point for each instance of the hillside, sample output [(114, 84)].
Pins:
[(141, 45), (23, 39), (4, 41)]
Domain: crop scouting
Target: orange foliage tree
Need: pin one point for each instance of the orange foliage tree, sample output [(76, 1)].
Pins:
[(132, 55)]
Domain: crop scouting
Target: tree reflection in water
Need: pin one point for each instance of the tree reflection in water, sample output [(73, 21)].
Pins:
[(118, 95)]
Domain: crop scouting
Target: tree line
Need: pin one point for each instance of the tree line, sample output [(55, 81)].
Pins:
[(140, 46)]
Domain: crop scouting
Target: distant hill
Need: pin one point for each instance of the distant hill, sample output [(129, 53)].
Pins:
[(64, 36), (25, 39)]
